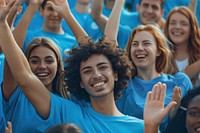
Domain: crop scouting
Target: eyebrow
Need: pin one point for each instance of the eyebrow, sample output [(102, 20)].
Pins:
[(99, 64), (38, 57)]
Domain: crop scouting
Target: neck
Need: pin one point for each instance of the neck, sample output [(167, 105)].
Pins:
[(82, 7), (105, 106), (53, 30), (181, 51), (147, 74)]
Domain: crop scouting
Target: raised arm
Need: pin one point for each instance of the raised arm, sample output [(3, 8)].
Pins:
[(9, 82), (176, 97), (154, 111), (13, 13), (112, 26), (193, 69), (32, 87), (192, 5), (62, 7), (22, 27), (96, 14)]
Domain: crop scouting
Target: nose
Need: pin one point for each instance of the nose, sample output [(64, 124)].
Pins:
[(42, 65), (140, 47), (96, 74), (149, 9)]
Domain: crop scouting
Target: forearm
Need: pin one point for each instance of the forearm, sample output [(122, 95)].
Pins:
[(112, 25), (74, 25), (150, 129), (32, 87), (19, 32), (192, 5), (193, 69), (96, 14), (18, 66)]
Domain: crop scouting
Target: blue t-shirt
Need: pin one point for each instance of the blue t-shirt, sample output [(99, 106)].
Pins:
[(133, 98), (23, 116), (2, 118), (131, 19), (170, 4), (133, 3), (65, 42), (89, 120), (72, 3), (81, 18), (198, 11), (25, 119), (95, 33), (2, 58), (36, 22)]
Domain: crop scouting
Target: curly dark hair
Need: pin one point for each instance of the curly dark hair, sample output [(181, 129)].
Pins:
[(118, 58)]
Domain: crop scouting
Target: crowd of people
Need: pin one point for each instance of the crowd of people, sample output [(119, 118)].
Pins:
[(100, 66)]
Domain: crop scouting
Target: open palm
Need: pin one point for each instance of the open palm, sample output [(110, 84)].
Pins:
[(154, 110)]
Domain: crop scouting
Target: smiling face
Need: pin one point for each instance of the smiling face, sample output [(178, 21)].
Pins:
[(97, 76), (43, 64), (52, 20), (150, 11), (193, 115), (179, 29), (144, 50)]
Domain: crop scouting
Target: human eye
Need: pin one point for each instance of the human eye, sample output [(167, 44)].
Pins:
[(172, 22), (34, 61), (184, 23), (146, 43), (154, 7), (86, 71), (145, 5), (194, 114), (134, 44), (103, 67), (50, 61)]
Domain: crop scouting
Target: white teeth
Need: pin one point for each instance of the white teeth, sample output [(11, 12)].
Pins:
[(177, 33), (141, 56), (98, 84), (198, 129), (42, 74)]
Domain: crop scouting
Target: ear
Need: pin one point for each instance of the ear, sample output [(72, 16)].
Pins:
[(41, 11), (158, 53), (81, 85), (115, 76)]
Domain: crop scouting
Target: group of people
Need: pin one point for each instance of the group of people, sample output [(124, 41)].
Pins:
[(96, 71)]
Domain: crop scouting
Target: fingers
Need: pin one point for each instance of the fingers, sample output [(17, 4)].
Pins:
[(10, 4), (158, 92), (9, 128), (148, 97), (169, 107), (2, 2)]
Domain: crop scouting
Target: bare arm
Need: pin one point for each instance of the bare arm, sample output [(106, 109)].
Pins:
[(193, 69), (192, 5), (96, 14), (112, 26), (154, 111), (62, 7), (9, 82), (32, 87), (176, 97), (13, 12)]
